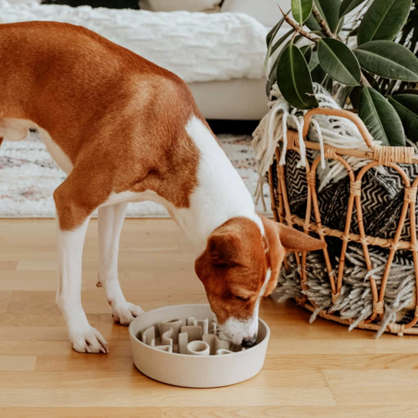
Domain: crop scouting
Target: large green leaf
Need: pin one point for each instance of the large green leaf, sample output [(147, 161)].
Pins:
[(381, 118), (270, 41), (273, 32), (270, 82), (281, 40), (407, 107), (339, 62), (314, 61), (383, 20), (277, 44), (272, 77), (328, 84), (355, 96), (340, 25), (317, 73), (307, 53), (294, 79), (301, 9), (312, 23), (330, 10), (389, 60), (348, 5)]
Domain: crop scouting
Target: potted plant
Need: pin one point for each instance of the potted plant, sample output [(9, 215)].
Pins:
[(367, 59), (364, 54)]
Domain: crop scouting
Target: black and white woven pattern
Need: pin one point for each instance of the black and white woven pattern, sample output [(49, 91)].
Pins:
[(382, 201), (382, 197)]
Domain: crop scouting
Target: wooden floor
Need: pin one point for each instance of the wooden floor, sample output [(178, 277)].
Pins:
[(317, 370)]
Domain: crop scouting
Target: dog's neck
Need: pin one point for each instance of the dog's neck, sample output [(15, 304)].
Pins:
[(220, 194)]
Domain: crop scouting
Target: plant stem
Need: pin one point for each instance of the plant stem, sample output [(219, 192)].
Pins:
[(364, 80), (297, 27), (324, 26)]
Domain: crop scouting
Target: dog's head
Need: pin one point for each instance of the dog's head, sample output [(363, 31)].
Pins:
[(240, 266)]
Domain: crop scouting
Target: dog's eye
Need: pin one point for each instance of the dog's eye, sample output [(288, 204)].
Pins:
[(241, 298)]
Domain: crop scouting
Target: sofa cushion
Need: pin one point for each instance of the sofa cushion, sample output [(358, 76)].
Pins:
[(198, 47), (173, 5)]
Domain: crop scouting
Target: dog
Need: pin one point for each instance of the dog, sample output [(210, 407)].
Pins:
[(124, 130)]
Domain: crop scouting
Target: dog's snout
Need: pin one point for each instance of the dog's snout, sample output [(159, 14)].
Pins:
[(249, 342)]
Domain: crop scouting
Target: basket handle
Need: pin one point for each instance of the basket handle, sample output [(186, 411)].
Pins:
[(368, 139)]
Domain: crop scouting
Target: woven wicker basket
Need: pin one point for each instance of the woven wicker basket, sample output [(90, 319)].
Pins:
[(379, 156)]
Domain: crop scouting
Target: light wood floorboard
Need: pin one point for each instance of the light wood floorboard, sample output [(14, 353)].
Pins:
[(318, 371)]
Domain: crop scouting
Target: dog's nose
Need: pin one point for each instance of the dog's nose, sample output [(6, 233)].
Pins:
[(249, 342)]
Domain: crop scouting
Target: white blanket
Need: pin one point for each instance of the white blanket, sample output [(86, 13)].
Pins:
[(197, 47)]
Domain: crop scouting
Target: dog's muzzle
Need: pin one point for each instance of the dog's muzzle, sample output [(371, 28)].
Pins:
[(249, 342)]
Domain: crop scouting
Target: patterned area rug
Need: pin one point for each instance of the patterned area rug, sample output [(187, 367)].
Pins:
[(29, 176)]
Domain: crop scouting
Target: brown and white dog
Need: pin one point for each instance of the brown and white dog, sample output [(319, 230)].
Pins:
[(125, 130)]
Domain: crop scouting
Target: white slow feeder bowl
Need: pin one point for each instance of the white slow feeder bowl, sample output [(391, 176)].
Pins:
[(189, 370)]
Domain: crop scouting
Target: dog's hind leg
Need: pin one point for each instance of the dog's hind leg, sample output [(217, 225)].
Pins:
[(75, 201), (110, 226)]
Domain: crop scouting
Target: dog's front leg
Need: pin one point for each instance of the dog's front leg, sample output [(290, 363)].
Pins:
[(71, 235), (110, 226), (70, 249)]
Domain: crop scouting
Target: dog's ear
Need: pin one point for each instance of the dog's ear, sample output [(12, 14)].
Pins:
[(225, 249), (294, 240)]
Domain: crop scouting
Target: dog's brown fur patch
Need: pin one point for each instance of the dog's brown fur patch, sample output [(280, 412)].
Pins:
[(232, 268), (234, 265), (118, 117)]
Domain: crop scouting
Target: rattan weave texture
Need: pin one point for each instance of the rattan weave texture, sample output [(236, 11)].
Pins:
[(353, 228)]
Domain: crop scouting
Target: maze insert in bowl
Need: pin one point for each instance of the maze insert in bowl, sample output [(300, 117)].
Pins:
[(179, 345), (191, 336)]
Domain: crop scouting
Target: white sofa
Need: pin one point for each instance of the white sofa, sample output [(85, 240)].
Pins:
[(237, 98), (241, 99)]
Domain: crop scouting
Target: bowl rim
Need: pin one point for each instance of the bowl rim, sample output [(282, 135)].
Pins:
[(135, 339)]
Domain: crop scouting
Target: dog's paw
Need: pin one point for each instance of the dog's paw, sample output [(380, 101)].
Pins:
[(89, 341), (126, 313)]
